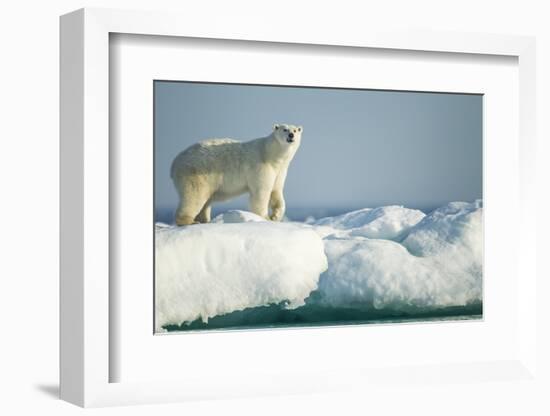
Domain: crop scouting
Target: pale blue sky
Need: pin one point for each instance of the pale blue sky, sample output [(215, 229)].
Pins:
[(360, 148)]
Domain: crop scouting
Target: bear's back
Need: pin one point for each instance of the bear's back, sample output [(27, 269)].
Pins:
[(205, 155), (215, 142)]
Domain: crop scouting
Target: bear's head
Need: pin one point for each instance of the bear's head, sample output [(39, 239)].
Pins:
[(288, 134)]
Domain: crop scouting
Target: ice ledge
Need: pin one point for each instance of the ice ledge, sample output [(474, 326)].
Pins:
[(211, 269)]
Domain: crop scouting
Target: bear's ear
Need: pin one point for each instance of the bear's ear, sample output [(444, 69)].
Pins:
[(275, 126), (300, 128)]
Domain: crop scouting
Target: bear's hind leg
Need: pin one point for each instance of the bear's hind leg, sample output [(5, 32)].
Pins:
[(190, 207), (184, 217), (204, 215)]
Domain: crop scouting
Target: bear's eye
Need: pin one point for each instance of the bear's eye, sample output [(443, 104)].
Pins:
[(286, 129)]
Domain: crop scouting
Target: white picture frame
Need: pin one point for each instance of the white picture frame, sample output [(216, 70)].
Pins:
[(86, 356)]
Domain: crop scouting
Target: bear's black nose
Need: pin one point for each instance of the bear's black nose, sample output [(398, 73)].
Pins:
[(291, 135)]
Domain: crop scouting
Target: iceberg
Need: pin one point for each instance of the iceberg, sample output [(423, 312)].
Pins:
[(205, 270), (389, 259)]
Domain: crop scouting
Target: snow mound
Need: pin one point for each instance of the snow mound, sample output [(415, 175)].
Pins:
[(237, 216), (458, 224), (388, 223), (206, 270), (437, 264)]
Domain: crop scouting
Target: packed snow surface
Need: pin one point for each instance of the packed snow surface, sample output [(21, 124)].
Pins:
[(212, 269), (389, 257), (236, 216), (388, 223)]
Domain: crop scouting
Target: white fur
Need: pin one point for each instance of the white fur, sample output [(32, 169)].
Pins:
[(220, 169)]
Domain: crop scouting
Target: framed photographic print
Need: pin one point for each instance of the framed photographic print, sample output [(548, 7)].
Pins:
[(373, 214), (291, 196)]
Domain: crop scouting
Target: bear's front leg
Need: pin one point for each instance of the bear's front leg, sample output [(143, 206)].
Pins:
[(259, 201), (277, 205)]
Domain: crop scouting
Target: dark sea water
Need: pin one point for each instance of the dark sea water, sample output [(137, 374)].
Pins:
[(166, 214), (311, 315)]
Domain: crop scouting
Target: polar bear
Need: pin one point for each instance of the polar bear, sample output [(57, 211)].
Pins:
[(220, 169)]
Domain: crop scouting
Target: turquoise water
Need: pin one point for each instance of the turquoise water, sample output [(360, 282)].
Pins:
[(312, 315)]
